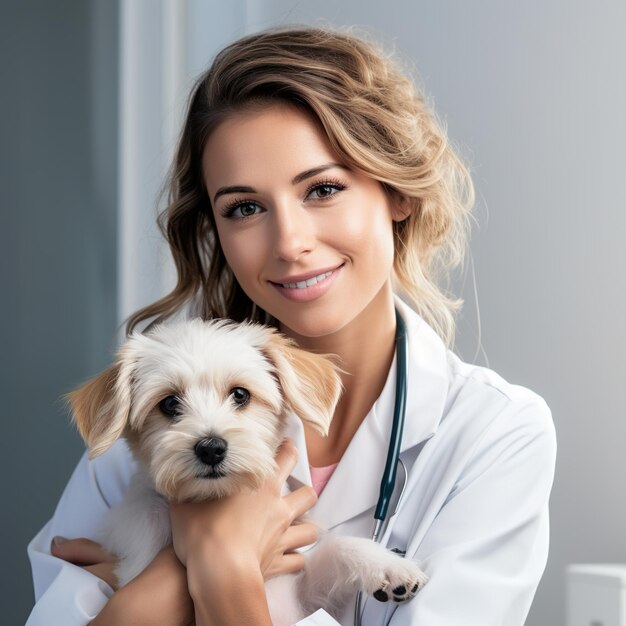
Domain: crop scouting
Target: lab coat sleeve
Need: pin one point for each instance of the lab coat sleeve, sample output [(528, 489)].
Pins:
[(65, 593), (487, 547)]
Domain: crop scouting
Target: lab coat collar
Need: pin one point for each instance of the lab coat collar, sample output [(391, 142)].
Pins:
[(362, 464)]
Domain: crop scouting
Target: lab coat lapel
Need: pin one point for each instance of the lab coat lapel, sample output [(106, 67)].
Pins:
[(428, 380), (354, 486)]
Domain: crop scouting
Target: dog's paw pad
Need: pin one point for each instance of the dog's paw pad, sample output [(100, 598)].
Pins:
[(399, 593), (399, 582), (381, 595)]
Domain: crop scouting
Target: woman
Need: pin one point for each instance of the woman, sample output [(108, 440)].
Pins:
[(311, 187)]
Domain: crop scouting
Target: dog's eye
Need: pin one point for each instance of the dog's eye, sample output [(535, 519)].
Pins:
[(170, 406), (240, 395)]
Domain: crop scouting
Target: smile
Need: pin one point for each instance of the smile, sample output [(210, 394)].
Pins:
[(307, 283), (307, 288)]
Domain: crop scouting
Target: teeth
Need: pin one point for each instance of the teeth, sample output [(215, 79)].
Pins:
[(307, 283)]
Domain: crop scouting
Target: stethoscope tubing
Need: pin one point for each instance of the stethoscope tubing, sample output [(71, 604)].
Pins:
[(388, 480)]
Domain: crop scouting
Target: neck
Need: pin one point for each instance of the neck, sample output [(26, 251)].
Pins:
[(365, 348)]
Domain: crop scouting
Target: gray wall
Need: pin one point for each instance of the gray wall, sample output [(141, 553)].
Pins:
[(58, 245), (535, 95)]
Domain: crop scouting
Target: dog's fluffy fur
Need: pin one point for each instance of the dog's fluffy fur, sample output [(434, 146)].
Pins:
[(200, 364)]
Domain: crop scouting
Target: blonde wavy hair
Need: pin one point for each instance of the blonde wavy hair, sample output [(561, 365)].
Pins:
[(377, 122)]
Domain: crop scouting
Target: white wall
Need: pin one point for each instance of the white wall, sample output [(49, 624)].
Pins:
[(164, 45), (535, 95)]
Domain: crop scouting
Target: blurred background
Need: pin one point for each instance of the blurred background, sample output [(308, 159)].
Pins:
[(533, 95)]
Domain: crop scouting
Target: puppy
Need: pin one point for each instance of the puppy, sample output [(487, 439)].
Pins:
[(202, 407)]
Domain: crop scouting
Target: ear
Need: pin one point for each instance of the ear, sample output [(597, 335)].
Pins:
[(310, 382), (400, 206), (101, 407)]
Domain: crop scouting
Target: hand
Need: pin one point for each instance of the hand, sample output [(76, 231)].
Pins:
[(88, 554), (156, 596), (253, 529)]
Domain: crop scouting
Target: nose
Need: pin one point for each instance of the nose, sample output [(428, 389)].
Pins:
[(211, 450), (293, 232)]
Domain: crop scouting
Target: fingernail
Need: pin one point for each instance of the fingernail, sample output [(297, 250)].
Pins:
[(58, 540)]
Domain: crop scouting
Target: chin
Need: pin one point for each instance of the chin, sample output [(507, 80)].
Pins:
[(313, 326), (321, 321)]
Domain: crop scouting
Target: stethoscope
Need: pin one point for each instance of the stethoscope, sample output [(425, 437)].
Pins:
[(388, 480)]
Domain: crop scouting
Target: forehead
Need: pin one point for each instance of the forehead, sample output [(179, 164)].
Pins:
[(200, 352), (271, 144)]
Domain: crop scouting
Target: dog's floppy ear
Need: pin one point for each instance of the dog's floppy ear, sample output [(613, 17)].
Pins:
[(101, 406), (310, 382)]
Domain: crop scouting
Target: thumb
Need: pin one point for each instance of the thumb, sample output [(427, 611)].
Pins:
[(80, 551)]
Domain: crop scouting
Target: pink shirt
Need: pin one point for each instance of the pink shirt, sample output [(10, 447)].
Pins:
[(320, 476)]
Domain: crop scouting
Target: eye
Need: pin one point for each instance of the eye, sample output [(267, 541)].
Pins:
[(240, 210), (170, 406), (325, 189), (240, 395)]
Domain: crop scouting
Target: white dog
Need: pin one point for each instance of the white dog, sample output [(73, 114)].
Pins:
[(201, 405)]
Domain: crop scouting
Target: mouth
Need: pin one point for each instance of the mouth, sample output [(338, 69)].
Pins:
[(212, 473), (307, 287)]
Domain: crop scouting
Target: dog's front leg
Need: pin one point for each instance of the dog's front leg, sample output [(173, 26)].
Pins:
[(341, 566), (137, 530)]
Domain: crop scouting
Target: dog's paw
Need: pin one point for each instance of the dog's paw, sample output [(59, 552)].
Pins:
[(399, 580)]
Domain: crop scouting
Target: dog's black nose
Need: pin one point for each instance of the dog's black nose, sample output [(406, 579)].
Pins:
[(211, 450)]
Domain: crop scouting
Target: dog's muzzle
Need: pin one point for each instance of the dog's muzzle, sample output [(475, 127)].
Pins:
[(211, 450)]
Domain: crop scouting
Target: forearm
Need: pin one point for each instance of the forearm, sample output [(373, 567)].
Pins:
[(232, 596), (157, 596), (125, 610)]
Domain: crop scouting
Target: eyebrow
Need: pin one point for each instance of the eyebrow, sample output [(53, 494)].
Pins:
[(298, 178)]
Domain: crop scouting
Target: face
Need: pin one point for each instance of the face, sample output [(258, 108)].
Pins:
[(201, 403), (309, 240), (204, 414)]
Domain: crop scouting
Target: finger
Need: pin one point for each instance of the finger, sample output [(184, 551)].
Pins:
[(104, 571), (298, 536), (80, 551), (300, 501), (286, 459), (287, 564), (292, 563)]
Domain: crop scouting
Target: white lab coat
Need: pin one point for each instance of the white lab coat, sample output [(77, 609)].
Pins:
[(480, 455)]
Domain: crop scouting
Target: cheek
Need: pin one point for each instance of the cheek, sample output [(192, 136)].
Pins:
[(369, 234), (244, 254), (145, 441)]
